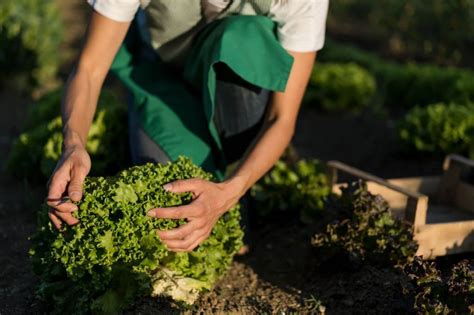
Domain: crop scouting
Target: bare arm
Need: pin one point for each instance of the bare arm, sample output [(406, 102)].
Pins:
[(102, 41), (279, 126), (211, 199)]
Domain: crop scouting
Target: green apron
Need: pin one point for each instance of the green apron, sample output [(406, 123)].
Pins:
[(176, 107)]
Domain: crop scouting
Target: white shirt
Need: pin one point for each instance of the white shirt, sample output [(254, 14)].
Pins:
[(301, 23)]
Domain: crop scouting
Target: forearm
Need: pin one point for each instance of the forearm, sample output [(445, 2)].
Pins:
[(264, 153), (103, 39), (278, 130), (78, 106)]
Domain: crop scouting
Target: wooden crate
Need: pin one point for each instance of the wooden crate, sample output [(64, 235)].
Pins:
[(441, 208)]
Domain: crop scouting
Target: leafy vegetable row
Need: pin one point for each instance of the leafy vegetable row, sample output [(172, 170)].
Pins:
[(439, 129), (405, 85)]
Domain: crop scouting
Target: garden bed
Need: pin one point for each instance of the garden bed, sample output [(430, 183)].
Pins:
[(280, 274)]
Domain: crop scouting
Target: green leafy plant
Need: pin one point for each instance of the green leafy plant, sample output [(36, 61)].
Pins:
[(36, 151), (301, 186), (114, 254), (461, 281), (340, 87), (439, 128), (30, 34), (365, 230), (47, 108), (406, 85), (433, 295)]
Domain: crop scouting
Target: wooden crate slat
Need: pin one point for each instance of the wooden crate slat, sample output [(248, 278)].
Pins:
[(410, 196), (464, 196), (444, 238)]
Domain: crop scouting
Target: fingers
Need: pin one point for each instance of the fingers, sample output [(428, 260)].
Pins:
[(181, 232), (62, 205), (66, 217), (56, 222), (186, 237), (78, 175), (66, 183), (179, 212), (189, 243), (184, 185), (193, 245), (55, 200), (58, 217), (57, 187)]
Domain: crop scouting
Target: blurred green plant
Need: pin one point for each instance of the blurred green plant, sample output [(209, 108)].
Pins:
[(38, 148), (404, 86), (437, 31), (365, 231), (340, 87), (439, 129), (434, 295), (300, 186), (30, 34)]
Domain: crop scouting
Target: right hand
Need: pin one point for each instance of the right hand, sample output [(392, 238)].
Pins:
[(65, 185)]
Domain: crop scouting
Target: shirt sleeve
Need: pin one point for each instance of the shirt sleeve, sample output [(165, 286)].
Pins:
[(301, 23), (117, 10)]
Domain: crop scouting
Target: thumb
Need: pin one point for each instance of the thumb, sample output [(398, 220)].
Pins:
[(57, 186), (183, 185), (78, 175)]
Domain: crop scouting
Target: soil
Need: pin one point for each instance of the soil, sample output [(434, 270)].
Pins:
[(281, 276), (17, 220)]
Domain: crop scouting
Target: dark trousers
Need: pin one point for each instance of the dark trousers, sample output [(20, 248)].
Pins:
[(239, 114)]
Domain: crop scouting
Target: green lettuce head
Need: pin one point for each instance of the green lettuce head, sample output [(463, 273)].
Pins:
[(114, 254)]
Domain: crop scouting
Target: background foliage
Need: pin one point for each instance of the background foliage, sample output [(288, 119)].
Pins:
[(300, 186), (402, 86), (439, 128), (340, 87), (35, 153), (30, 34), (437, 31)]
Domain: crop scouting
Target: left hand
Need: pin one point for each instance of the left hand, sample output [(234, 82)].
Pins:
[(210, 201)]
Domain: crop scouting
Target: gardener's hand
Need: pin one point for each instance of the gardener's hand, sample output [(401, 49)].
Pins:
[(65, 184), (210, 201)]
